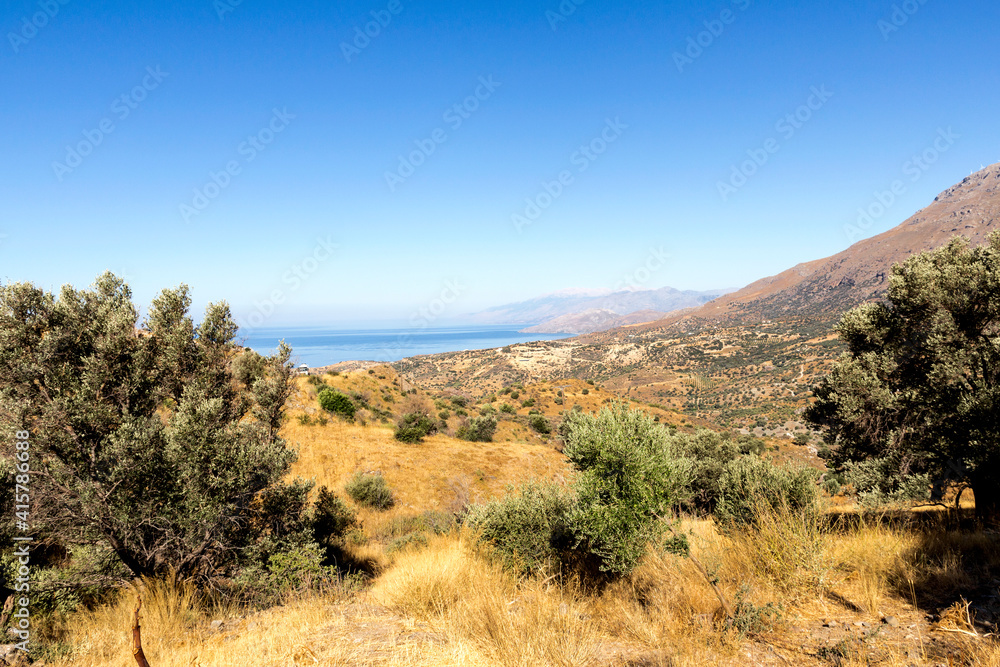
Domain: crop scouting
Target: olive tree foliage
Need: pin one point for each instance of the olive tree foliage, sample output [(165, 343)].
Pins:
[(917, 392), (159, 442), (629, 479)]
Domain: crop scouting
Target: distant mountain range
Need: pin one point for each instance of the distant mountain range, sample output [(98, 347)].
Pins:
[(580, 311)]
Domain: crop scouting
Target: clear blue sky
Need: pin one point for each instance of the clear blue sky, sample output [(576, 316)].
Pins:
[(682, 125)]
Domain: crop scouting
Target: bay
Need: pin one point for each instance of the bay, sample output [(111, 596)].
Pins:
[(318, 346)]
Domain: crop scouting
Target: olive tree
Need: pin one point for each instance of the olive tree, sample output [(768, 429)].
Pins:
[(918, 391), (159, 441)]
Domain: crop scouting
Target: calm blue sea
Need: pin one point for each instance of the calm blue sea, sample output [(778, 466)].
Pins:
[(320, 347)]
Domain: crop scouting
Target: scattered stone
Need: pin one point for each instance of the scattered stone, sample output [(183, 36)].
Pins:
[(563, 609), (891, 621), (831, 624), (858, 624), (218, 626), (866, 624)]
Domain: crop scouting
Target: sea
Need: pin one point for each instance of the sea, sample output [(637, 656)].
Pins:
[(317, 346)]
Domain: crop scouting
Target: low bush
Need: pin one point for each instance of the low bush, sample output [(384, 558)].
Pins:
[(528, 403), (540, 424), (333, 401), (332, 518), (478, 429), (370, 490), (749, 482), (507, 409), (414, 427), (529, 529)]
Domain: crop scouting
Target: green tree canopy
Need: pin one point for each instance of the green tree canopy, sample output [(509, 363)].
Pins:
[(918, 388), (159, 442)]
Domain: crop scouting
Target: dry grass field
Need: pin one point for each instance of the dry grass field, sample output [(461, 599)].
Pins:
[(850, 591)]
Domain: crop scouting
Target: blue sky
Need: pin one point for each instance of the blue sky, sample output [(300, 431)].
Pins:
[(642, 109)]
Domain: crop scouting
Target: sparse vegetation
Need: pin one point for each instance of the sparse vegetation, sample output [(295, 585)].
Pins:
[(337, 403), (415, 426), (478, 429), (370, 490)]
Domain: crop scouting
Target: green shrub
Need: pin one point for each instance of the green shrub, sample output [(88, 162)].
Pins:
[(507, 409), (590, 382), (831, 486), (487, 410), (332, 518), (585, 392), (444, 415), (560, 393), (630, 478), (878, 484), (709, 452), (414, 427), (515, 395), (333, 401), (459, 401), (528, 403), (528, 529), (370, 491), (461, 412), (558, 401), (478, 429), (749, 482), (286, 574), (540, 424)]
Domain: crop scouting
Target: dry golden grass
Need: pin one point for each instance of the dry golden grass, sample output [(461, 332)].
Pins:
[(449, 603)]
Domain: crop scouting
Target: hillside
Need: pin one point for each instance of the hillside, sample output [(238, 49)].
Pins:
[(431, 596), (747, 359)]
